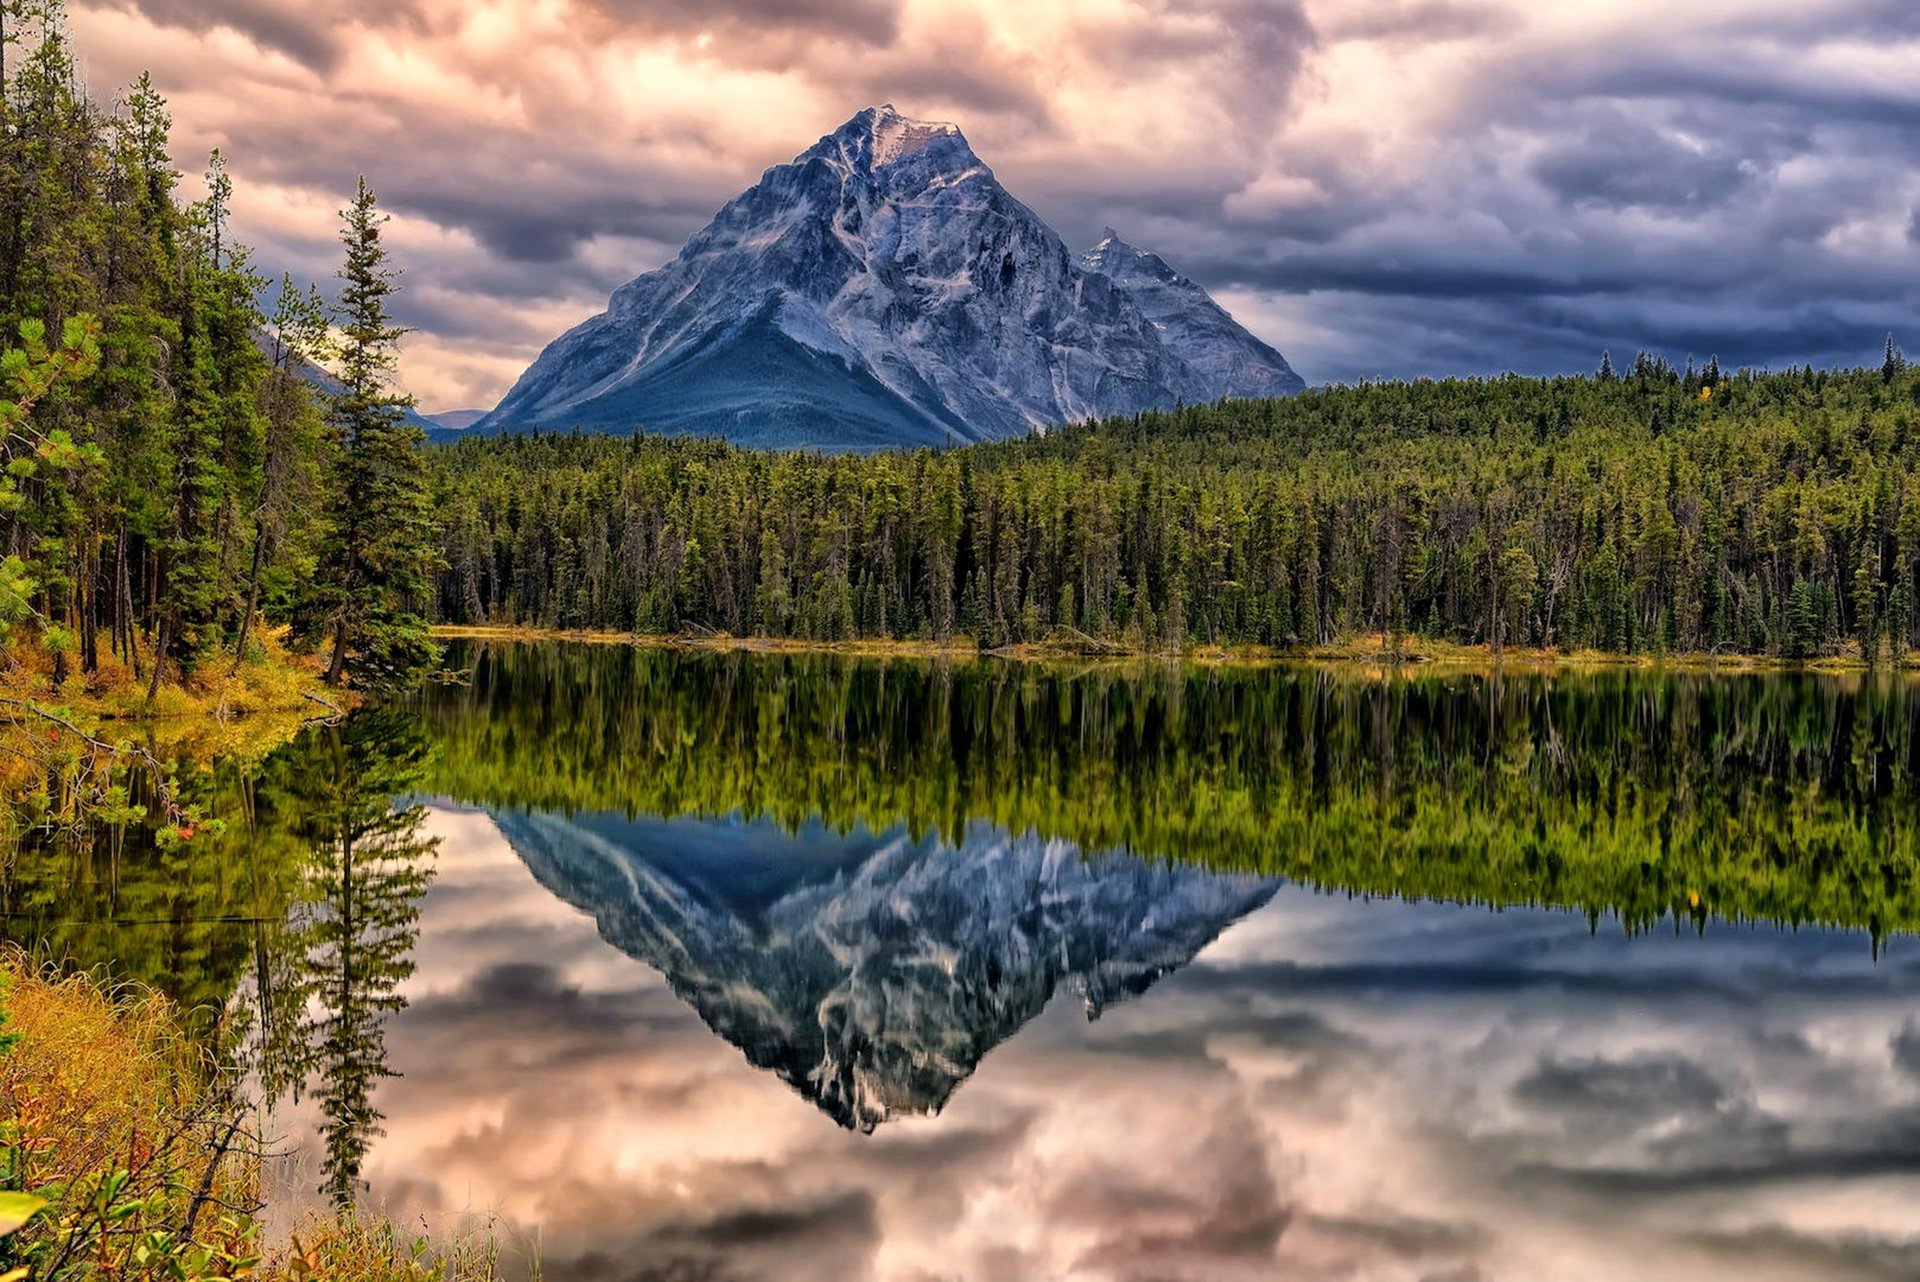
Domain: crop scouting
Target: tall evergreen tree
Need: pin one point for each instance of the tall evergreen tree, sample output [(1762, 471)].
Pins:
[(377, 563)]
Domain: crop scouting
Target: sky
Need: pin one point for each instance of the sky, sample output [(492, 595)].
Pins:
[(1336, 1089), (1381, 188)]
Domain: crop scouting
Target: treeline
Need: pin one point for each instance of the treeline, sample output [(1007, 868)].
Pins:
[(1646, 511), (170, 475)]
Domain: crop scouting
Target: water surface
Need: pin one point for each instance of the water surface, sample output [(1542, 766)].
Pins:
[(729, 967)]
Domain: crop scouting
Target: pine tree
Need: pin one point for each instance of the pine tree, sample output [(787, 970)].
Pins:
[(289, 467), (377, 562)]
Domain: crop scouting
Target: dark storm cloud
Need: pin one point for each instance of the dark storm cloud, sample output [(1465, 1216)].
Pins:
[(846, 1215), (296, 30), (1767, 82), (869, 22), (972, 84), (1906, 1050), (1878, 20), (1866, 1257), (1891, 1148), (1632, 163), (1402, 1237), (527, 199), (1632, 1093), (831, 1236), (1693, 195)]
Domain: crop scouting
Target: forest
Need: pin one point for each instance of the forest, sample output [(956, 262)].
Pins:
[(171, 476), (1646, 511)]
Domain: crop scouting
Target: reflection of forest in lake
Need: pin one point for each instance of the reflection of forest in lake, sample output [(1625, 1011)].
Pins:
[(867, 876), (1647, 795)]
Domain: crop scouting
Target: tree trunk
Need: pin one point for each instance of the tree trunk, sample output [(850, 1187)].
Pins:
[(89, 628), (127, 629), (253, 598), (337, 668), (159, 657)]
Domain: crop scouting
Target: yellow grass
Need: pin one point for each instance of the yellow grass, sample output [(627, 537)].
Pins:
[(1368, 650), (98, 1077), (101, 1079)]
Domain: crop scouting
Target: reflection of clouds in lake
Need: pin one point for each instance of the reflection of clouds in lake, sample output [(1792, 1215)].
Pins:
[(1336, 1089)]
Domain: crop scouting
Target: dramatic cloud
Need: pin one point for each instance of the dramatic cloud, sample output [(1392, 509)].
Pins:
[(1381, 187)]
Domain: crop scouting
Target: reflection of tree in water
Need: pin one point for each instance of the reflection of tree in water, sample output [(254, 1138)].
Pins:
[(284, 932), (350, 954)]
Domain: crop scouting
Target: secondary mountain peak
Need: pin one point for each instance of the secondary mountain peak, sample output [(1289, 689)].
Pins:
[(884, 289)]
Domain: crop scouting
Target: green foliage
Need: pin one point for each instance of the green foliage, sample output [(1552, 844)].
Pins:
[(166, 473), (1781, 515), (289, 913), (16, 1209), (377, 562)]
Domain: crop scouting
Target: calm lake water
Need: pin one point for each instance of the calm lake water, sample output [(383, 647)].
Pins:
[(702, 968)]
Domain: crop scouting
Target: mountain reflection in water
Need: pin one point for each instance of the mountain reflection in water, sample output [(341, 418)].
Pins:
[(872, 974), (1334, 1088)]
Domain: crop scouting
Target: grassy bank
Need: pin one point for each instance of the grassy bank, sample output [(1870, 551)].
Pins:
[(72, 743), (141, 1158), (1372, 650)]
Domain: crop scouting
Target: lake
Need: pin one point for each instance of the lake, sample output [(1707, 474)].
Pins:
[(697, 967)]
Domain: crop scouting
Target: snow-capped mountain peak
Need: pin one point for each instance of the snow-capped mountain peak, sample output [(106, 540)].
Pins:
[(881, 136), (884, 289)]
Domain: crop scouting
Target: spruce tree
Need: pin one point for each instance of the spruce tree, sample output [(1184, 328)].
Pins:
[(376, 566)]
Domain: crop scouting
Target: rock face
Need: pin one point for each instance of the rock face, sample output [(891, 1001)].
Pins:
[(872, 974), (1220, 353), (884, 289)]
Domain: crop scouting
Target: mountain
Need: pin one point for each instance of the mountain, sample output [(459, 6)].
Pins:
[(884, 289), (873, 973), (1210, 341), (455, 420)]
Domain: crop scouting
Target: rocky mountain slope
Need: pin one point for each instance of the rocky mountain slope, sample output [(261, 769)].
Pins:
[(884, 289)]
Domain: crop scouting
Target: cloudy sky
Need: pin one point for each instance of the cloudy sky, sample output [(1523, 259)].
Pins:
[(1337, 1090), (1379, 187)]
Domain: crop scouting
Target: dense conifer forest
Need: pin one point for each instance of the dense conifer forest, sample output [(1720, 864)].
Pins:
[(1648, 511), (170, 473)]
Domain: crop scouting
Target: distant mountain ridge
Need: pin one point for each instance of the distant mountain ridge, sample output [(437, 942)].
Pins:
[(455, 420), (881, 290)]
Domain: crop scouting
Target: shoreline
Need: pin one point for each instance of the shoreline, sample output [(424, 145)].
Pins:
[(1365, 652)]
